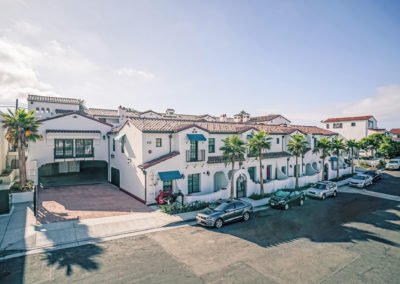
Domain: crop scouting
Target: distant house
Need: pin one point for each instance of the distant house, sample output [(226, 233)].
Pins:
[(353, 127), (395, 134)]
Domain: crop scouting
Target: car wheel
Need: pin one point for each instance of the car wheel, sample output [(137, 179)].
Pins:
[(323, 196), (301, 202), (246, 216), (219, 223), (286, 206), (334, 193)]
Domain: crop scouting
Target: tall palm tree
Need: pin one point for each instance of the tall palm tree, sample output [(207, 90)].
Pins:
[(233, 150), (297, 146), (257, 143), (337, 145), (351, 146), (21, 127), (323, 147)]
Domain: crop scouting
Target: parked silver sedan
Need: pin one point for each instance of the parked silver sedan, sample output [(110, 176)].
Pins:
[(224, 211), (322, 190)]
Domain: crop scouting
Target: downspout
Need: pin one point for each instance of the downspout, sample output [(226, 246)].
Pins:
[(109, 166), (282, 142), (170, 143), (145, 187)]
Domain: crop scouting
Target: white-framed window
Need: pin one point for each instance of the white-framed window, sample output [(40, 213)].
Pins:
[(338, 125)]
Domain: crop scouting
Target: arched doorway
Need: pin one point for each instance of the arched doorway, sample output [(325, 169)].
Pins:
[(326, 172), (241, 186)]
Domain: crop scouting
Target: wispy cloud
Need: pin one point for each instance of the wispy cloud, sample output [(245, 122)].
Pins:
[(135, 73)]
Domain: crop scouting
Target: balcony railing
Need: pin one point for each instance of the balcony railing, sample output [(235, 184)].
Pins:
[(195, 156), (70, 154)]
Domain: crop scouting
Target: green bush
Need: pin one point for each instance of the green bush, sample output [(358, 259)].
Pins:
[(16, 186), (176, 207)]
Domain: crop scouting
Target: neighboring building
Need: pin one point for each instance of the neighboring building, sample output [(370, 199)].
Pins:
[(50, 106), (395, 134), (149, 155), (356, 127), (274, 119), (72, 143)]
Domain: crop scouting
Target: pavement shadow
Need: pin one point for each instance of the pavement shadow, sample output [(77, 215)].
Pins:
[(324, 222), (82, 257)]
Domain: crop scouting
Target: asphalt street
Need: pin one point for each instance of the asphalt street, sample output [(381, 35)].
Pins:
[(352, 238)]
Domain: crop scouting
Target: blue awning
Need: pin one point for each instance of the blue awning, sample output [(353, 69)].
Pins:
[(164, 176), (119, 136), (334, 159), (196, 137)]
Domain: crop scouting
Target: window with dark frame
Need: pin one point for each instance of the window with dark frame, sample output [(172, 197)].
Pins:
[(338, 125), (353, 124), (277, 141), (211, 145), (327, 126), (158, 142), (84, 148), (113, 144), (63, 148), (193, 183)]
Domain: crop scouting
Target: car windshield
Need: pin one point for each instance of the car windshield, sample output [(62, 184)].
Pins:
[(220, 207), (281, 193), (360, 177), (393, 161), (319, 186)]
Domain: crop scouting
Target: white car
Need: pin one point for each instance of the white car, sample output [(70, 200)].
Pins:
[(393, 164), (322, 190), (360, 180)]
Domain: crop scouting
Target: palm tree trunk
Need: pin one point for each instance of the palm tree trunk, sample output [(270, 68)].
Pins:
[(323, 168), (297, 172), (21, 163), (352, 161), (232, 183), (337, 165), (261, 176)]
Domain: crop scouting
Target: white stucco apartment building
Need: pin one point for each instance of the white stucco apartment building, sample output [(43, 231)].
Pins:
[(145, 152), (356, 127)]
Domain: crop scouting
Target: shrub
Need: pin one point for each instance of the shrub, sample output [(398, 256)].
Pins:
[(177, 207), (16, 186)]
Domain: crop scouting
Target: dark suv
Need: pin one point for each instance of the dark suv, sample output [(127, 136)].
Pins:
[(286, 198), (224, 211)]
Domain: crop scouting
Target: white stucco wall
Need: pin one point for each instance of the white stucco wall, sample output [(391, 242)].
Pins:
[(51, 106), (43, 151), (357, 132)]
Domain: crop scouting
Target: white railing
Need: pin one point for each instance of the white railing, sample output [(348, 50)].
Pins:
[(207, 197)]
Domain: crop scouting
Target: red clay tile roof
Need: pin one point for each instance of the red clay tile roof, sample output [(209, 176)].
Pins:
[(312, 130), (395, 131), (74, 113), (266, 118), (102, 112), (350, 118), (57, 100), (158, 160), (170, 125)]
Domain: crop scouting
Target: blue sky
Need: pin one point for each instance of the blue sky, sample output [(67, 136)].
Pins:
[(304, 59)]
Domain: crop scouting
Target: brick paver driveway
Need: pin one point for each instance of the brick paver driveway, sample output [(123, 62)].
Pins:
[(85, 201)]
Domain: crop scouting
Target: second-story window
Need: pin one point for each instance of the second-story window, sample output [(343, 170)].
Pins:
[(337, 125), (113, 145), (158, 142), (84, 148), (277, 141), (327, 126), (353, 124), (211, 145), (63, 148)]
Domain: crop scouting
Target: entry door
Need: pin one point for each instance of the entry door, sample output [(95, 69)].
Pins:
[(115, 176), (241, 186), (269, 172)]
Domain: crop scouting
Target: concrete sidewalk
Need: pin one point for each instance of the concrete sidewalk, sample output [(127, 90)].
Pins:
[(19, 231)]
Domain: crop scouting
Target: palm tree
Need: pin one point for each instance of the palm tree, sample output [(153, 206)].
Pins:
[(323, 146), (351, 145), (257, 143), (337, 145), (21, 127), (233, 150), (297, 146)]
